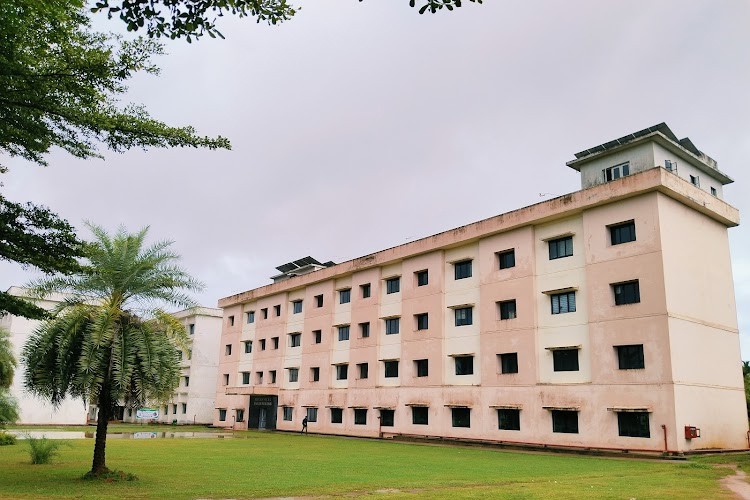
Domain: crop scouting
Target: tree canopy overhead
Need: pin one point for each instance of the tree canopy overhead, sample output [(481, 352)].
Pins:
[(195, 18), (60, 82)]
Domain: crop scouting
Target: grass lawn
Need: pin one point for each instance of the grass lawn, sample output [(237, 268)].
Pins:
[(258, 464)]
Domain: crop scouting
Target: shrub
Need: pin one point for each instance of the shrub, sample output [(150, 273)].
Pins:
[(43, 450), (7, 439)]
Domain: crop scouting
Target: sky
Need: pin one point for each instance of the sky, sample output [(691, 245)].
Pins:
[(357, 126)]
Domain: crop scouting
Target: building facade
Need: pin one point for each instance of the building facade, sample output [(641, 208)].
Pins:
[(193, 401), (604, 318), (34, 410)]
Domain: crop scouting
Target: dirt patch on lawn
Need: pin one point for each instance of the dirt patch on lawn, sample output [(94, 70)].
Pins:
[(736, 483)]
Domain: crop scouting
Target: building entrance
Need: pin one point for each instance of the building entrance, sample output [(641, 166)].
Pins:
[(262, 412)]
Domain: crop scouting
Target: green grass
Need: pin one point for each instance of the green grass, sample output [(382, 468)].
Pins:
[(257, 464)]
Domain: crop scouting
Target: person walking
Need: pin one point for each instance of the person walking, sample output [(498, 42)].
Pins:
[(304, 425)]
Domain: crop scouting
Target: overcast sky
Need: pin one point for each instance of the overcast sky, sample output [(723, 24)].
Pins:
[(359, 126)]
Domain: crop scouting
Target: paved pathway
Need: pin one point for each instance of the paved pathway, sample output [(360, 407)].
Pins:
[(737, 483)]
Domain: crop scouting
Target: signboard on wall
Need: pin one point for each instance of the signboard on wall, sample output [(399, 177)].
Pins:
[(147, 413)]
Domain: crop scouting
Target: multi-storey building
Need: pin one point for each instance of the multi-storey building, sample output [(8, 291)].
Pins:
[(35, 410), (604, 318), (193, 400)]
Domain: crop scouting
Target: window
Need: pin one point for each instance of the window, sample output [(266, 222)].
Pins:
[(713, 191), (509, 419), (287, 413), (391, 369), (342, 372), (422, 321), (240, 415), (670, 165), (464, 365), (563, 302), (262, 344), (423, 278), (166, 410), (507, 309), (462, 270), (315, 373), (633, 424), (174, 409), (226, 379), (630, 357), (184, 408), (337, 415), (565, 360), (264, 312), (422, 367), (695, 181), (622, 233), (616, 172), (627, 293), (293, 374), (392, 326), (191, 328), (190, 354), (231, 320), (508, 362), (312, 414), (295, 339), (565, 421), (248, 346), (228, 350), (392, 285), (363, 370), (461, 417), (364, 329), (272, 376), (560, 247), (345, 296), (277, 310), (365, 290), (179, 355), (343, 332), (187, 381), (463, 316), (275, 341), (360, 416), (419, 415), (318, 336), (296, 307), (386, 418), (258, 377), (318, 301), (507, 258), (222, 414), (245, 378), (250, 317)]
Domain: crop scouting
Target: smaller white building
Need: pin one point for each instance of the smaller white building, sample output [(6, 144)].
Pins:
[(193, 401), (36, 411)]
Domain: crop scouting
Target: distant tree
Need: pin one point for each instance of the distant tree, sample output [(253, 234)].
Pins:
[(746, 377), (195, 18), (106, 342), (8, 405)]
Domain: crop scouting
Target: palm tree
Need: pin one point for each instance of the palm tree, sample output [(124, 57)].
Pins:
[(107, 341)]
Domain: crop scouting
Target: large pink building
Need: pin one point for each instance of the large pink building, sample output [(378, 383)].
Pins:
[(604, 318)]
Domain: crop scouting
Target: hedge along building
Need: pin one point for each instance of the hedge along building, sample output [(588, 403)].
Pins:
[(604, 318)]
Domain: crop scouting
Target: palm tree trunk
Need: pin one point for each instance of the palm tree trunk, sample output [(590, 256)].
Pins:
[(99, 464)]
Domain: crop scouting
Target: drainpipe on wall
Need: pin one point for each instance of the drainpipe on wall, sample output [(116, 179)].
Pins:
[(380, 428), (666, 448)]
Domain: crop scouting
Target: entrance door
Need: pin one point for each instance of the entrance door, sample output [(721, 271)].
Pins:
[(262, 418)]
